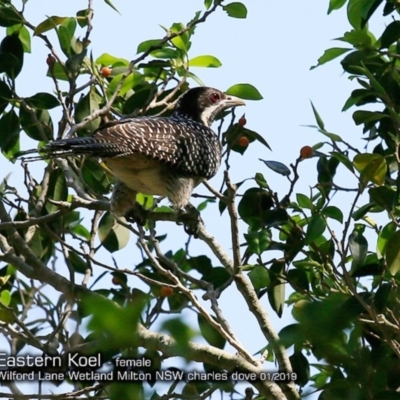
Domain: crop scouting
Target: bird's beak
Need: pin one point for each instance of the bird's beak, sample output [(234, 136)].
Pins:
[(232, 101)]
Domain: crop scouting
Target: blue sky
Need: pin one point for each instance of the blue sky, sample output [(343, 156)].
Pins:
[(273, 49)]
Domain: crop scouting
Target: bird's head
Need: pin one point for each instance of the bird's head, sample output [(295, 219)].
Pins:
[(202, 104)]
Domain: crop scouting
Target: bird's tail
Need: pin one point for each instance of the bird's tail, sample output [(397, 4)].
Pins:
[(89, 146)]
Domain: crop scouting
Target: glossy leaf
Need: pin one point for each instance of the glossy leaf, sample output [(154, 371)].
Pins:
[(318, 119), (344, 160), (301, 368), (77, 263), (42, 101), (315, 228), (277, 167), (38, 126), (5, 95), (393, 253), (330, 55), (48, 23), (205, 61), (358, 246), (372, 167), (245, 91), (112, 235), (276, 296), (382, 296), (23, 35), (11, 55), (181, 41), (210, 334), (9, 16), (236, 10), (207, 4), (109, 3), (335, 5), (303, 201), (5, 297), (358, 12), (57, 191), (333, 212), (259, 277), (298, 280), (390, 35), (9, 134), (258, 242), (384, 236)]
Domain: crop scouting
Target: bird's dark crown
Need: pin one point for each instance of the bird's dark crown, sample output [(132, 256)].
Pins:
[(202, 104)]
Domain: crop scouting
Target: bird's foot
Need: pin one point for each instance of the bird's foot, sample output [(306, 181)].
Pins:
[(190, 218), (137, 214)]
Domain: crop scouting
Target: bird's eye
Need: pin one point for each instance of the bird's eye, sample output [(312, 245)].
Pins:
[(215, 97)]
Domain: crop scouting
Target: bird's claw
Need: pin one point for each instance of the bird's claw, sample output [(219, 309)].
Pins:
[(137, 214), (191, 220)]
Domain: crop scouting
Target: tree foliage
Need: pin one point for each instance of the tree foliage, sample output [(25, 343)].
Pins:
[(336, 268)]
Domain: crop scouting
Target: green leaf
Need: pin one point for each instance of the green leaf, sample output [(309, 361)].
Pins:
[(343, 159), (58, 190), (109, 3), (86, 106), (108, 59), (254, 207), (181, 41), (384, 197), (5, 297), (65, 34), (358, 12), (277, 167), (358, 247), (207, 4), (48, 23), (77, 263), (329, 55), (210, 334), (393, 253), (23, 34), (9, 16), (372, 168), (147, 45), (301, 368), (5, 95), (205, 61), (315, 228), (259, 277), (261, 181), (365, 117), (390, 35), (276, 296), (258, 242), (81, 17), (384, 235), (333, 212), (9, 134), (38, 126), (304, 201), (131, 81), (298, 280), (42, 101), (245, 91), (11, 55), (382, 296), (236, 10), (112, 235), (318, 119), (335, 5)]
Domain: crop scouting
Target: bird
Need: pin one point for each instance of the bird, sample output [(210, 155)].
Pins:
[(155, 155)]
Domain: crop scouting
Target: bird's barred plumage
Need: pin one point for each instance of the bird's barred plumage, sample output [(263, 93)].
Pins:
[(165, 156), (188, 146)]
